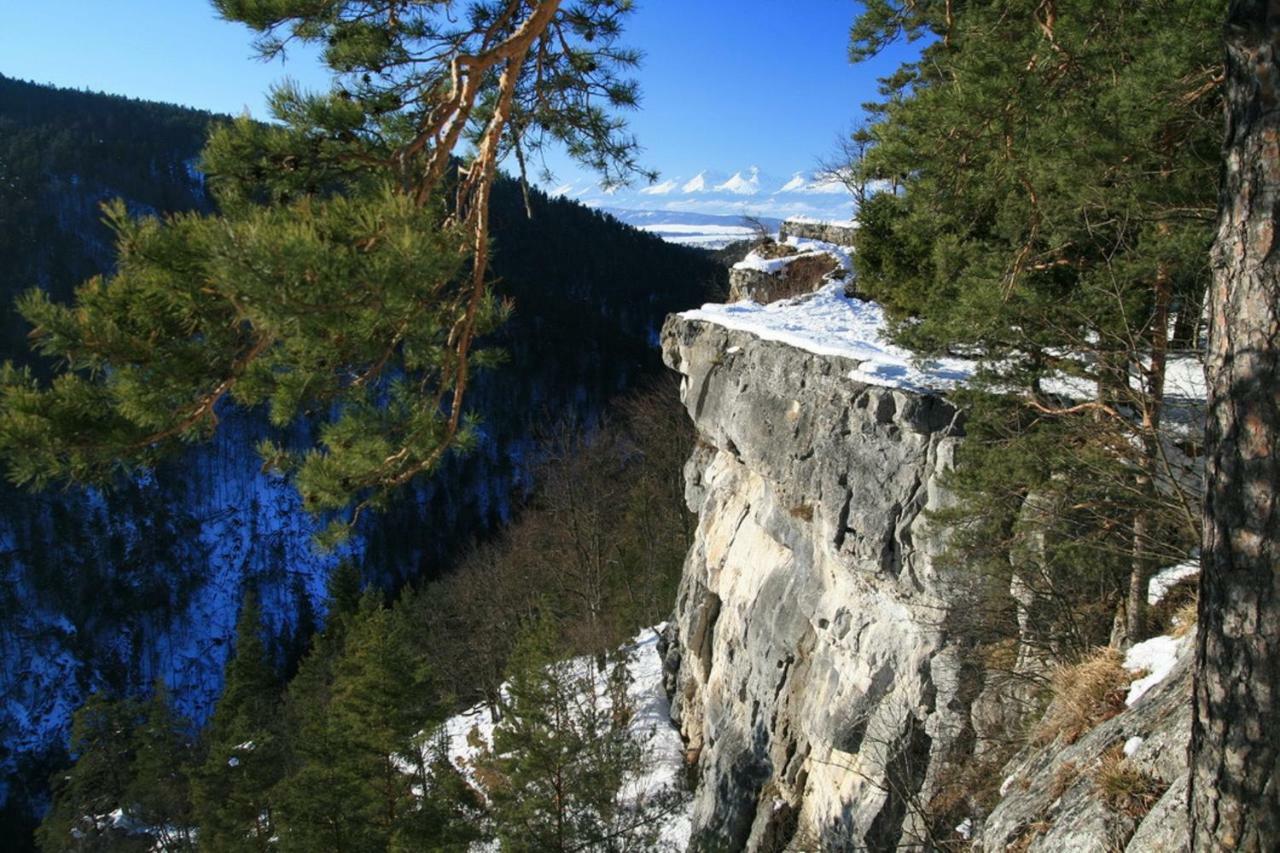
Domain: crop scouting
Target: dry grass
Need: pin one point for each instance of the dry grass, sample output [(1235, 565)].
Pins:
[(1063, 778), (1084, 695), (804, 512), (1124, 786), (1172, 609), (1183, 619), (1023, 842)]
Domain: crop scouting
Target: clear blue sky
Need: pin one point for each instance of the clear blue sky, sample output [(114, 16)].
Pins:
[(727, 83)]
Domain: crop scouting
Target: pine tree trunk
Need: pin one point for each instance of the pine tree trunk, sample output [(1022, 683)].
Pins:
[(1152, 403), (1235, 742)]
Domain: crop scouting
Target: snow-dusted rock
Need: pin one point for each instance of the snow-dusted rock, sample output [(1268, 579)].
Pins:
[(840, 233)]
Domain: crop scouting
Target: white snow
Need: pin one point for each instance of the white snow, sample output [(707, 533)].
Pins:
[(663, 188), (965, 829), (1156, 657), (1131, 746), (696, 184), (825, 185), (772, 266), (702, 236), (1165, 579), (738, 185), (806, 248), (681, 228), (797, 183), (829, 323)]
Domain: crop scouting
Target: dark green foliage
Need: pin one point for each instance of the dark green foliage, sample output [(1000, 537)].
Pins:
[(1055, 167), (562, 752), (243, 746), (353, 718), (346, 272), (349, 755), (63, 152), (129, 787)]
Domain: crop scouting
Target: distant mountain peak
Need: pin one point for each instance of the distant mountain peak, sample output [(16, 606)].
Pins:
[(696, 184), (739, 185)]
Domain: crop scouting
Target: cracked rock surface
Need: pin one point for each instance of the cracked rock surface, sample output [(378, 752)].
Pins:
[(811, 670)]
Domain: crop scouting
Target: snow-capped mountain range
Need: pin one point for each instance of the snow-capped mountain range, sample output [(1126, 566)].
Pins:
[(748, 192)]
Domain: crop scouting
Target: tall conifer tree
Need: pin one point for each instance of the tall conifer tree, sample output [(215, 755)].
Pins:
[(232, 787), (346, 274), (1056, 164)]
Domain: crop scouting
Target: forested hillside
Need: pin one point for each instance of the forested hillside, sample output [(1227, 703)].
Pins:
[(117, 590)]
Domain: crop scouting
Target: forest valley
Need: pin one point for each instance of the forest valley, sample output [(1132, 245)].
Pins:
[(1043, 193)]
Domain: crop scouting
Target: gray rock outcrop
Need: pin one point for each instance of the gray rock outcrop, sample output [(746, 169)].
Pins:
[(817, 661), (796, 276), (840, 233), (1057, 797), (813, 674)]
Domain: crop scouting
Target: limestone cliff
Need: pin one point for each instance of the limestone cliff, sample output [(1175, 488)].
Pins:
[(821, 662), (812, 670)]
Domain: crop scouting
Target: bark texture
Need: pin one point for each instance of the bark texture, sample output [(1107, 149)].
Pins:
[(1235, 748)]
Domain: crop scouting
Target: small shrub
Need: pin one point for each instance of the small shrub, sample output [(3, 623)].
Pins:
[(1124, 786), (1084, 695), (770, 249)]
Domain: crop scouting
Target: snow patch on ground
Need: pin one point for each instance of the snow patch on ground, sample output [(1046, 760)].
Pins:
[(806, 248), (1165, 579), (829, 323), (1156, 657), (1131, 746)]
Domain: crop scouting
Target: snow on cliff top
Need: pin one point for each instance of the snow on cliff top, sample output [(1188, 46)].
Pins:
[(827, 322), (805, 248)]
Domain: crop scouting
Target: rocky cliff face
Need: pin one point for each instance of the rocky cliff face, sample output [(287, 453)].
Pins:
[(820, 692), (821, 663)]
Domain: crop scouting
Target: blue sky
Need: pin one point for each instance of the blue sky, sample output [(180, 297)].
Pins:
[(727, 84)]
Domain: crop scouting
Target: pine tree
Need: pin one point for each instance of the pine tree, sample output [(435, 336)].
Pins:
[(1056, 164), (128, 789), (356, 717), (346, 271), (163, 760), (232, 787), (562, 754)]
